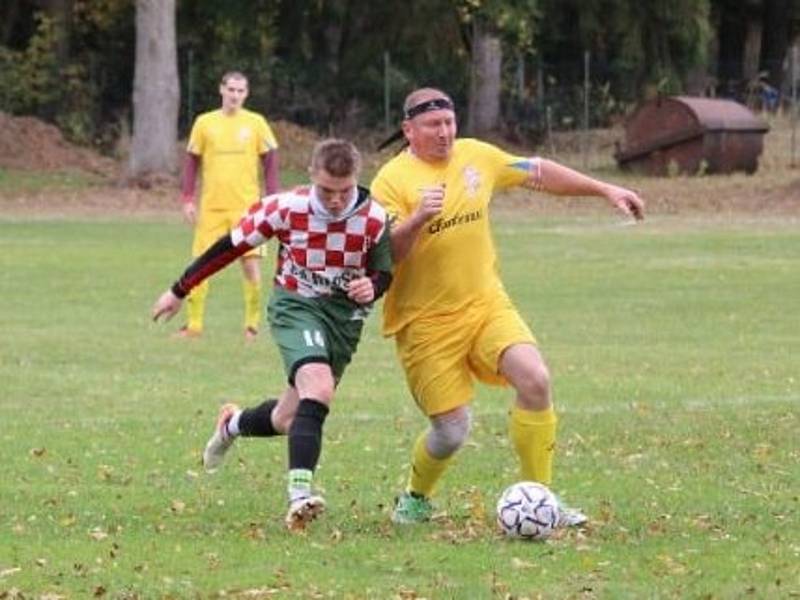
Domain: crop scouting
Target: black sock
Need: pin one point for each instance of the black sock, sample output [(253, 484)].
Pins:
[(305, 434), (257, 421)]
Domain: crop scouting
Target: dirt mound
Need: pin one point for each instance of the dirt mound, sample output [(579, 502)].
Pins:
[(295, 143), (31, 144)]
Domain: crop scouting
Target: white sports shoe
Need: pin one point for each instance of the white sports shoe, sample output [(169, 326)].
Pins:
[(570, 517), (220, 440), (303, 510)]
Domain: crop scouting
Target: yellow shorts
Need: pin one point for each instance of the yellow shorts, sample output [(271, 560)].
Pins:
[(442, 356), (212, 225)]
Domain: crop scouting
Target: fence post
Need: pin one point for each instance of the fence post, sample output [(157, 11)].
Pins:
[(794, 104), (387, 90), (189, 88), (539, 84), (585, 135)]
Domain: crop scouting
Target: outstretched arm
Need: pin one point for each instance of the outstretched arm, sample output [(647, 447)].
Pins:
[(221, 254), (255, 228), (557, 179)]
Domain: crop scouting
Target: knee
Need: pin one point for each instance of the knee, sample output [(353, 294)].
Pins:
[(448, 433), (322, 393), (315, 380), (533, 386)]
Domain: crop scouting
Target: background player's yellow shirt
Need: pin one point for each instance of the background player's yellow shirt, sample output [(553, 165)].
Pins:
[(453, 260), (229, 147)]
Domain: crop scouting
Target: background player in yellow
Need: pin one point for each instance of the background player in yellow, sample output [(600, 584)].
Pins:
[(451, 318), (229, 146)]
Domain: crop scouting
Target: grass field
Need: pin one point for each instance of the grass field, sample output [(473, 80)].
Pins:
[(674, 346)]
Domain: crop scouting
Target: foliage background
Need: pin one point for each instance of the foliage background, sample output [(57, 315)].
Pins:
[(324, 63)]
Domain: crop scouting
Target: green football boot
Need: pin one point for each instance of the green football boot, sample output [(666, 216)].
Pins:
[(411, 508)]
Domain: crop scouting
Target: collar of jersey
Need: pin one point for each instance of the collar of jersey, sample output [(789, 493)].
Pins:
[(319, 208)]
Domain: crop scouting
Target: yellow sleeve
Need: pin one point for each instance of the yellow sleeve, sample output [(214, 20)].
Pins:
[(266, 138), (389, 197), (197, 136), (511, 170)]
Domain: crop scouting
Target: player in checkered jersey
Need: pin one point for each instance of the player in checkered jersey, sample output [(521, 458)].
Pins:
[(334, 261)]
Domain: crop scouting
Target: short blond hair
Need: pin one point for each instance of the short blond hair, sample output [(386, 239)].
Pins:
[(233, 75), (338, 157)]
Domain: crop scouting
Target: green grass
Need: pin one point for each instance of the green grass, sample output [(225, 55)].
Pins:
[(674, 351)]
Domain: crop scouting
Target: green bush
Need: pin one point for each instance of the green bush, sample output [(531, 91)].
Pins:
[(29, 78)]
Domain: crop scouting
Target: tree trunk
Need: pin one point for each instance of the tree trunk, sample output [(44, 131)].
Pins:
[(156, 91), (752, 47), (484, 94)]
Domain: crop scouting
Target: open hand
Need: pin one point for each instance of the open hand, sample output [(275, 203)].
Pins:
[(627, 201), (167, 306), (189, 211)]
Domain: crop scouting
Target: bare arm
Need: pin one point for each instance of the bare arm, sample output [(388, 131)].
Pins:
[(218, 256), (563, 181)]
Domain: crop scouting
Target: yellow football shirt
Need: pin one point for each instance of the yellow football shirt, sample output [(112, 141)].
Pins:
[(229, 147), (453, 260)]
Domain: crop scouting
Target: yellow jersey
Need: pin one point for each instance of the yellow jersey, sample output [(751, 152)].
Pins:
[(229, 147), (453, 261)]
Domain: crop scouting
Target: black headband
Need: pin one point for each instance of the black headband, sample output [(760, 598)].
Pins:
[(429, 105)]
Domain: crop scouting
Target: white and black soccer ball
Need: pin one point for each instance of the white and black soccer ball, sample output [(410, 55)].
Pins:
[(527, 510)]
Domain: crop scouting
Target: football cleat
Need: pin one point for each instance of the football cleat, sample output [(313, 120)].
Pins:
[(185, 333), (220, 440), (303, 510), (250, 333), (570, 517), (411, 508)]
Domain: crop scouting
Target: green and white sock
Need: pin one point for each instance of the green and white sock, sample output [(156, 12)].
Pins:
[(299, 483)]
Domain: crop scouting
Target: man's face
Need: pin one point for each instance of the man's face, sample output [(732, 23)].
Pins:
[(333, 192), (234, 93), (431, 134)]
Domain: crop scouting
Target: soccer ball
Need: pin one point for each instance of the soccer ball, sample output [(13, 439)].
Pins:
[(527, 510)]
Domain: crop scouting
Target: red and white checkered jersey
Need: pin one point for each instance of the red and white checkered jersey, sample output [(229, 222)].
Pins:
[(319, 254)]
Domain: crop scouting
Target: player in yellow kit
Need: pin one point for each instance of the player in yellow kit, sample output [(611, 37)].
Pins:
[(229, 146), (452, 320)]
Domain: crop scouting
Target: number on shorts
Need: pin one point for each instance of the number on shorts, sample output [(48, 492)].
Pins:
[(313, 338)]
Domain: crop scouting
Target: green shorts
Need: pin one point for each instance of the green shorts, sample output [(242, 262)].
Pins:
[(314, 330)]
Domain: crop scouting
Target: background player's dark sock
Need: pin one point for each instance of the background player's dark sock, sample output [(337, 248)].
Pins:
[(257, 421)]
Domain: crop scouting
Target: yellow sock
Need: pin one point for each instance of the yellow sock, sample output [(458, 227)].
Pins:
[(425, 469), (534, 436), (252, 303), (196, 306)]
